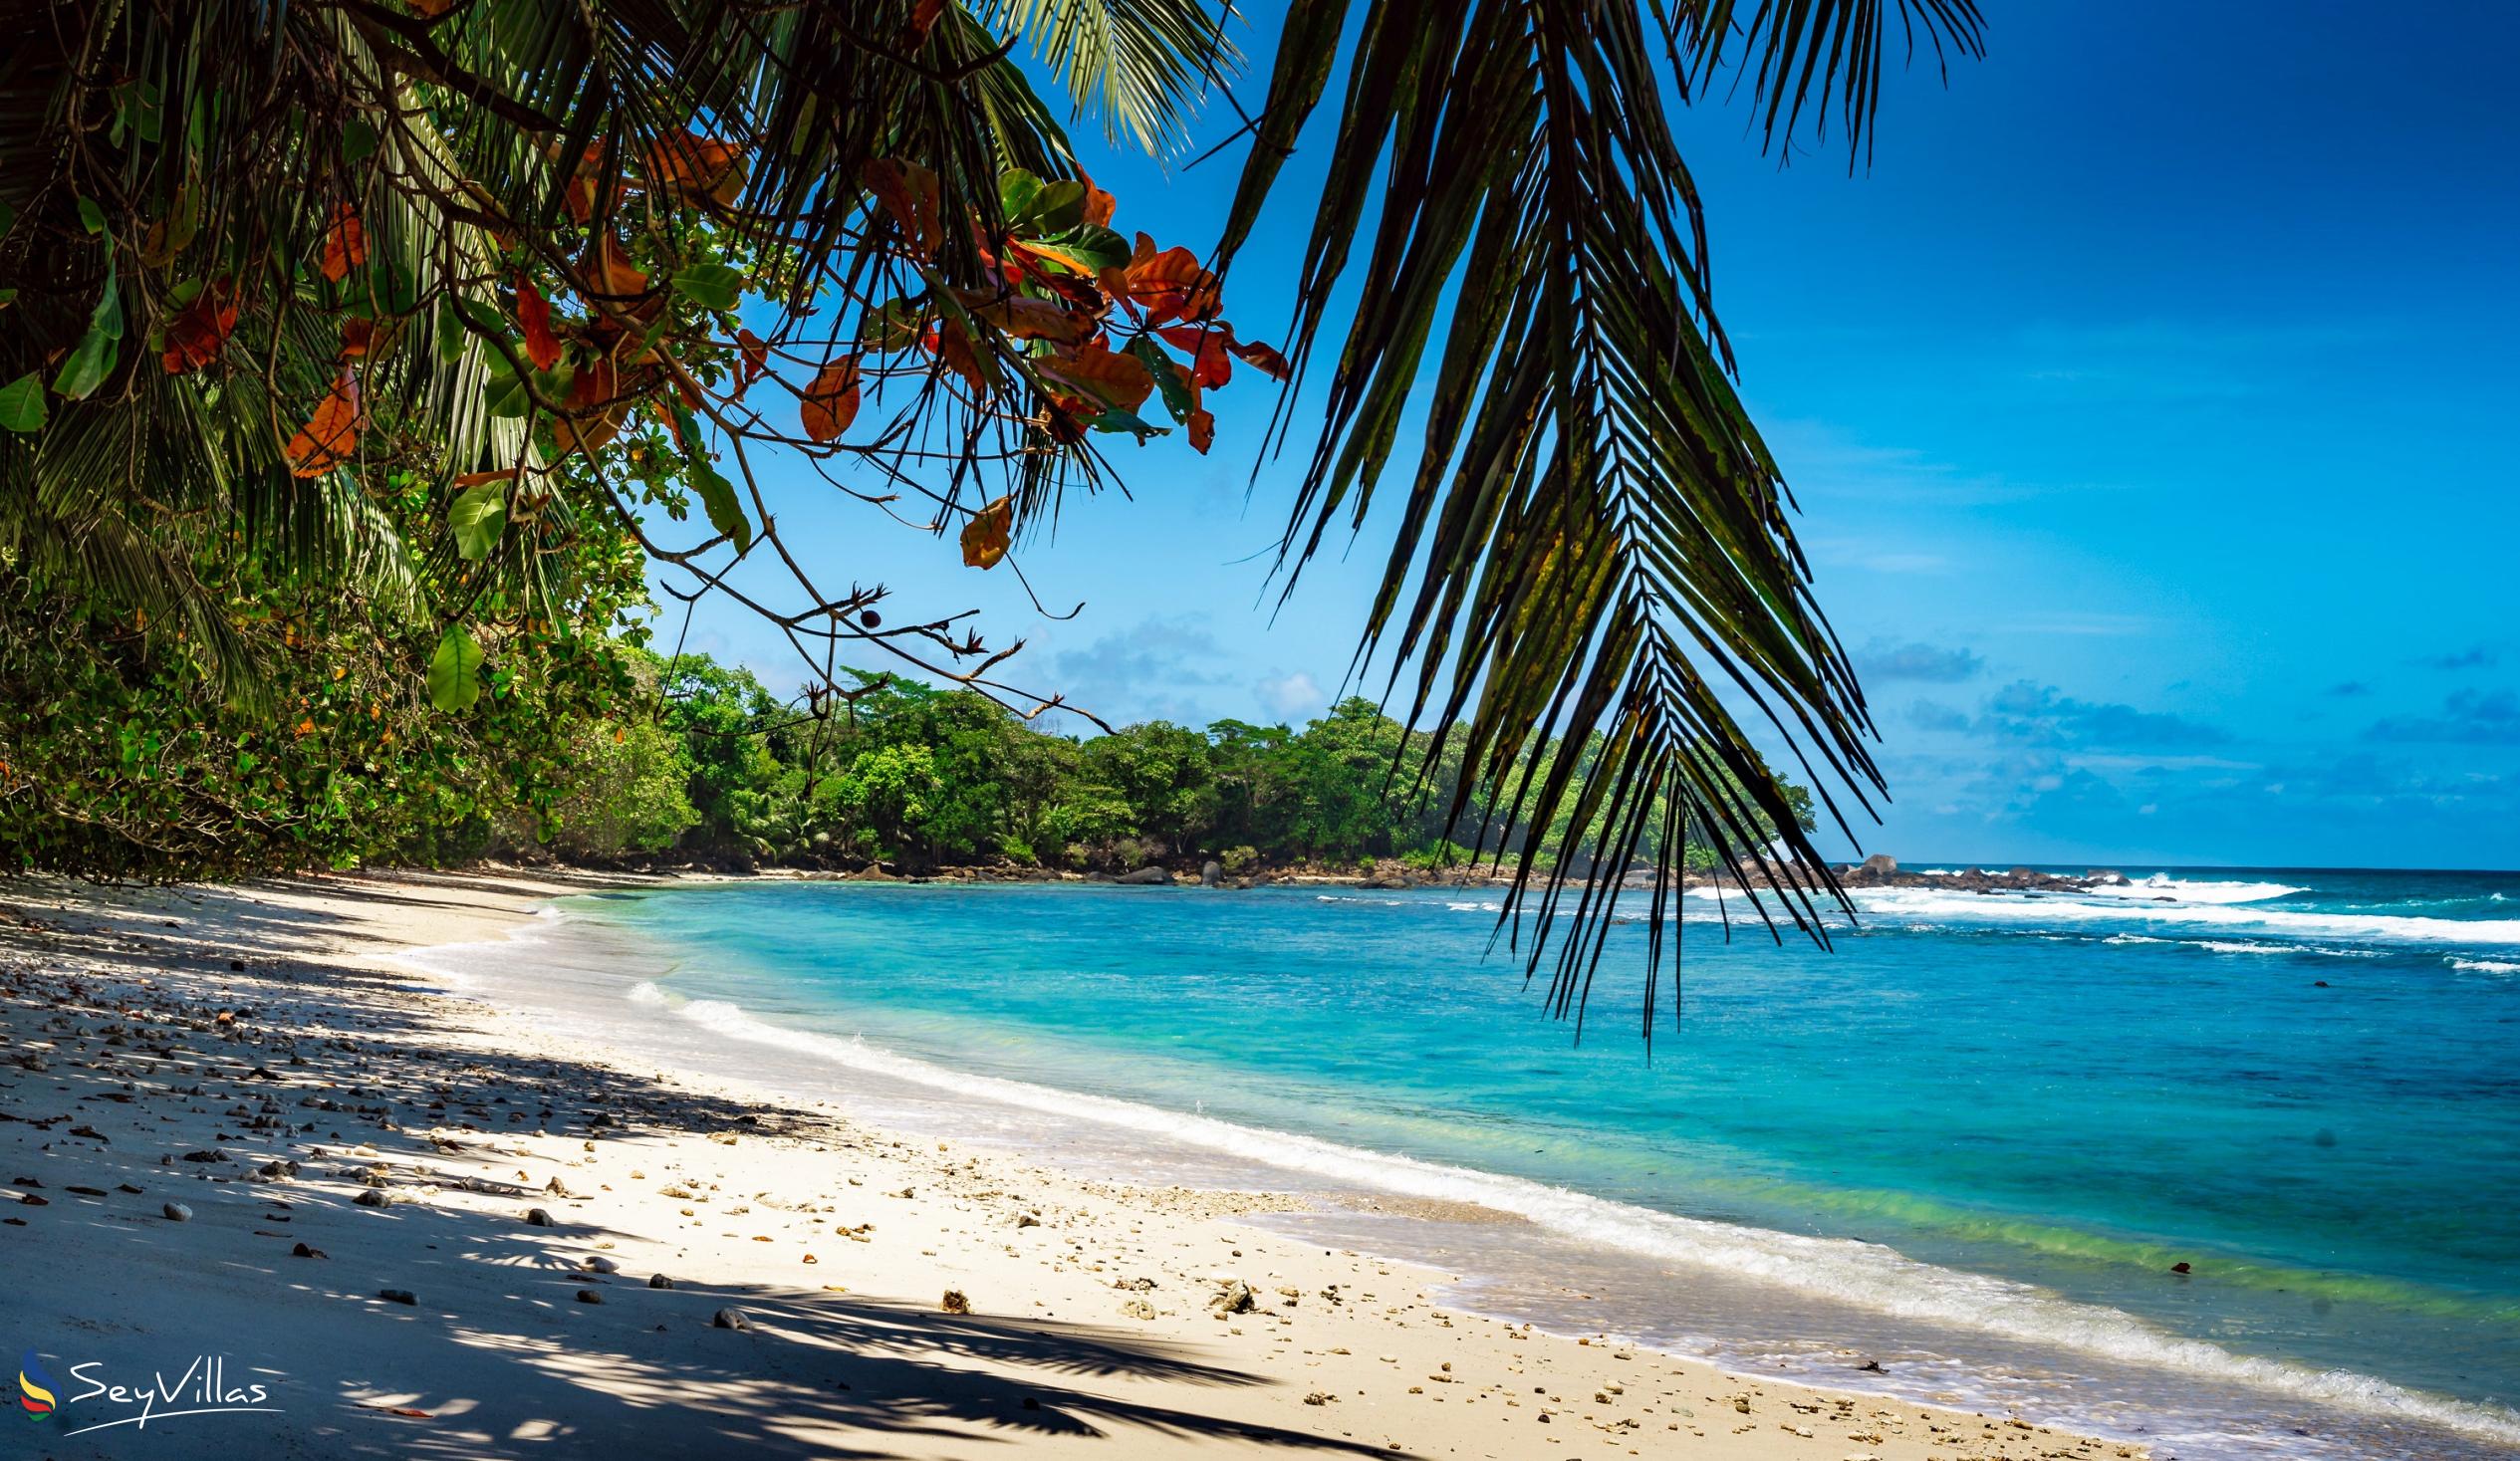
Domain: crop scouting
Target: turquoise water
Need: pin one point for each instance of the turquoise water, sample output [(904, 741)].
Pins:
[(1977, 1136)]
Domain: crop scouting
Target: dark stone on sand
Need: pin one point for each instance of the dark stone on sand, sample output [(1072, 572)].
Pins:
[(729, 1318), (397, 1296), (536, 1217), (660, 1281)]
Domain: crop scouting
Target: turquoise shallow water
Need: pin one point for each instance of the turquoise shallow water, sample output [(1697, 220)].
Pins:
[(1976, 1137)]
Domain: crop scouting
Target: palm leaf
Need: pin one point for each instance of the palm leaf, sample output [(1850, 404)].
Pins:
[(1594, 577)]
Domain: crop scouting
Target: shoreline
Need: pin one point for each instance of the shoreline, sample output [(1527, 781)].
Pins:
[(1092, 1322)]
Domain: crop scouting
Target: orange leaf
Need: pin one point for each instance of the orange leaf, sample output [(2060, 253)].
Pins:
[(831, 401), (1169, 285), (331, 434), (580, 196), (955, 347), (306, 727), (694, 167), (756, 359), (475, 479), (1101, 379), (986, 538), (1024, 317), (534, 312), (1098, 206), (912, 196), (611, 272), (358, 334), (195, 333), (430, 9), (1203, 430), (344, 243)]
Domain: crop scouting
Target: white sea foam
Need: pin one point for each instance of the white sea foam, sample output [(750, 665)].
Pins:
[(1864, 1273), (2223, 917), (2199, 890), (2485, 966)]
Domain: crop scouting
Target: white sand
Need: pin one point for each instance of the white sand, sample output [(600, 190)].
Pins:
[(127, 1043)]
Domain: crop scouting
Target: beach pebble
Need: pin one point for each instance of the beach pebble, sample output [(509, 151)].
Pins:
[(397, 1296), (589, 1296), (371, 1197), (177, 1212), (302, 1251), (729, 1318), (1138, 1309), (537, 1217), (599, 1264), (660, 1281)]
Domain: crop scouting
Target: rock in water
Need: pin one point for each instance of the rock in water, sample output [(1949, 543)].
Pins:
[(177, 1212), (1145, 878), (1880, 863), (1211, 874)]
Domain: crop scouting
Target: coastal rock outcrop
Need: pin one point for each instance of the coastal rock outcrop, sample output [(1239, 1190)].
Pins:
[(1144, 878)]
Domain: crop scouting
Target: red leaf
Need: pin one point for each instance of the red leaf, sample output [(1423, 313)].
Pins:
[(1208, 345), (831, 401), (1203, 430), (911, 195), (331, 434), (357, 333), (753, 360), (344, 243), (195, 333), (924, 18), (1261, 357), (534, 312)]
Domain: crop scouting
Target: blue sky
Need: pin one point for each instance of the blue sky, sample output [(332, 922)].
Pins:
[(2149, 401)]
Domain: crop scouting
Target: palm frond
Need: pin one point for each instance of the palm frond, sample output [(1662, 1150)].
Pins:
[(1138, 63), (1594, 576)]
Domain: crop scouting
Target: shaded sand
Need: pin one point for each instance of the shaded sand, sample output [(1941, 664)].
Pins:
[(344, 1140)]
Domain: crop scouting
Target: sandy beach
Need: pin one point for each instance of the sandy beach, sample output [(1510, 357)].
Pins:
[(256, 1171)]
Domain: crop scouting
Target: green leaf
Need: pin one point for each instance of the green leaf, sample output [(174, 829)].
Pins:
[(455, 672), (1117, 419), (450, 334), (1058, 207), (504, 393), (710, 286), (1016, 189), (88, 365), (895, 326), (479, 516), (22, 404), (1177, 393), (719, 497), (90, 216), (1100, 247)]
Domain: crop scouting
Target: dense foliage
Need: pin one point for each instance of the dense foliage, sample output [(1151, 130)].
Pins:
[(916, 777)]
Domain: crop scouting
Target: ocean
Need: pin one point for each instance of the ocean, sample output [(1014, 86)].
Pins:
[(1954, 1159)]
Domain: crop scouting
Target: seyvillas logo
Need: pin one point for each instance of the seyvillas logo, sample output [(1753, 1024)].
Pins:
[(35, 1387), (201, 1389)]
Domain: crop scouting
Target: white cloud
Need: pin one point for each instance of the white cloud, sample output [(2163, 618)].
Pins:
[(1291, 697)]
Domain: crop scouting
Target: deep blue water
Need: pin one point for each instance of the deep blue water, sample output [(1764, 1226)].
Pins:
[(2304, 1085)]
